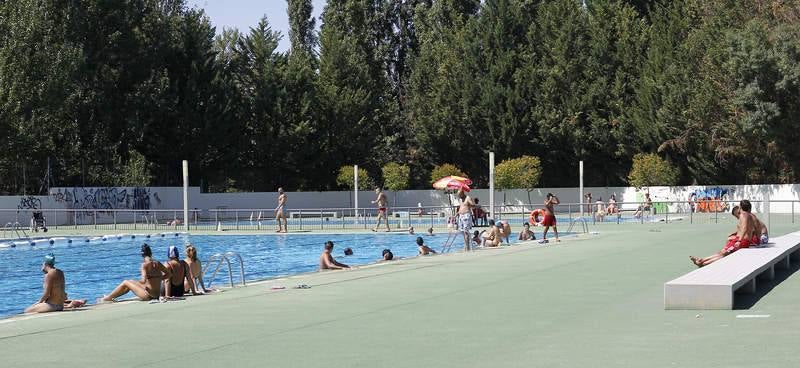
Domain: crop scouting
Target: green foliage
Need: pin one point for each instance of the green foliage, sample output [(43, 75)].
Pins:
[(440, 171), (135, 172), (650, 170), (88, 85), (346, 176), (396, 176), (519, 173)]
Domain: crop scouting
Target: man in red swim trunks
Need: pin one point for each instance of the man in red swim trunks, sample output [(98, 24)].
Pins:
[(549, 217), (381, 202), (744, 237)]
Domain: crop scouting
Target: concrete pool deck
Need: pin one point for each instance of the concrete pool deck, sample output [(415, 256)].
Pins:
[(591, 301)]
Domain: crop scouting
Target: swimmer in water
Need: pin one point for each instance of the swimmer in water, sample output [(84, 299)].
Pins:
[(326, 261), (423, 249)]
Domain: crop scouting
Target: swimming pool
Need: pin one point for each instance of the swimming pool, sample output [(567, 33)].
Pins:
[(93, 266), (96, 267)]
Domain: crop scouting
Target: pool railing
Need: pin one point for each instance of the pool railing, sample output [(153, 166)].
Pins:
[(400, 218)]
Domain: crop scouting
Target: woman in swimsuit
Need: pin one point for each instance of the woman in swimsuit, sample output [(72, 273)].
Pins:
[(180, 273), (149, 287), (196, 269)]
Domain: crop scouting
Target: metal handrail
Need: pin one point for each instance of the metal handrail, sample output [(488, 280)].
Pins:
[(219, 258), (16, 227), (584, 225)]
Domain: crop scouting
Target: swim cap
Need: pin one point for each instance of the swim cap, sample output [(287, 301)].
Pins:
[(172, 252), (50, 259)]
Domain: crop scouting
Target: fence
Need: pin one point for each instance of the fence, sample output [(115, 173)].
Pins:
[(400, 218)]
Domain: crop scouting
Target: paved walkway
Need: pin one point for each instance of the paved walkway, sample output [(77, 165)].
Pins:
[(595, 301)]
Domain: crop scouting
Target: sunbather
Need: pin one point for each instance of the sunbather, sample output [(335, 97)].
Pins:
[(149, 287)]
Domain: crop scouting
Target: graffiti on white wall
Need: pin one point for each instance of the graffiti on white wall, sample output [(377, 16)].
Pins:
[(106, 198)]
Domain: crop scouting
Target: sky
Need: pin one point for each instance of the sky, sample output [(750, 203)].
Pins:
[(244, 14)]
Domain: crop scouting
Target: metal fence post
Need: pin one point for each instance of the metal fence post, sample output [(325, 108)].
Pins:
[(115, 219), (95, 219), (792, 211), (75, 219), (237, 219), (321, 223), (716, 214)]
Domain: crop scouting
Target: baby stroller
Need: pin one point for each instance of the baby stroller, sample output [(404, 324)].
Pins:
[(38, 221)]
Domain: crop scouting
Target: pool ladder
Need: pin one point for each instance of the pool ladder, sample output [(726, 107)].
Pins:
[(16, 228), (582, 221), (219, 258)]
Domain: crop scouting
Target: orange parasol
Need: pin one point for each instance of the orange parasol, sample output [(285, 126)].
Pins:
[(453, 183)]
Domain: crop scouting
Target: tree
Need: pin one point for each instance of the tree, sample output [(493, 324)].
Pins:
[(301, 26), (135, 172), (345, 178), (649, 170), (443, 170), (396, 177), (522, 172)]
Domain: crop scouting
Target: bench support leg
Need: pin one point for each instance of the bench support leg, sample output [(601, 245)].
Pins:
[(795, 256), (784, 264), (749, 287), (769, 273)]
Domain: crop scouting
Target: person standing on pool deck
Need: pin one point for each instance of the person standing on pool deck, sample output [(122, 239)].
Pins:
[(53, 297), (381, 202), (465, 217), (549, 217), (149, 287), (280, 211), (326, 261)]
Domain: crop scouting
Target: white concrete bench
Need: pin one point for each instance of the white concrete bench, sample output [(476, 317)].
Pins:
[(401, 214), (713, 286), (313, 214)]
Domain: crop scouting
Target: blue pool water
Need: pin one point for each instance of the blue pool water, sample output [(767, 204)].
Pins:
[(94, 268)]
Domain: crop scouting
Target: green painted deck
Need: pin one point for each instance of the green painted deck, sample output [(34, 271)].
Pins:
[(591, 301)]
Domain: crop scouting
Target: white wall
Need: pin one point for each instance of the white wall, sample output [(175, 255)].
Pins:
[(17, 208)]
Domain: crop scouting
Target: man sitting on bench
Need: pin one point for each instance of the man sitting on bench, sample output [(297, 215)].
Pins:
[(744, 237)]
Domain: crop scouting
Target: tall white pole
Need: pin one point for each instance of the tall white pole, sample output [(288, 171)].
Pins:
[(580, 173), (355, 190), (766, 208), (491, 184), (186, 195)]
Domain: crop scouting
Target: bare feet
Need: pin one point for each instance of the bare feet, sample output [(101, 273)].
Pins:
[(697, 262)]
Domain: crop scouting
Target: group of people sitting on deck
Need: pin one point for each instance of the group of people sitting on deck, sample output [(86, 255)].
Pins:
[(172, 279), (750, 231), (599, 209)]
